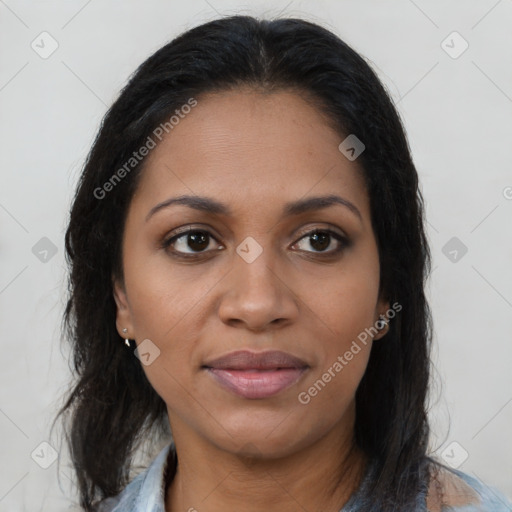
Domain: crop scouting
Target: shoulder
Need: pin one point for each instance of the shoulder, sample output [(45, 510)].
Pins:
[(451, 490)]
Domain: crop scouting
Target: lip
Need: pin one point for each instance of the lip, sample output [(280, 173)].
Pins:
[(247, 360), (255, 384), (256, 375)]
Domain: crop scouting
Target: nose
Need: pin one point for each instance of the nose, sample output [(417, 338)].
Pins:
[(256, 294)]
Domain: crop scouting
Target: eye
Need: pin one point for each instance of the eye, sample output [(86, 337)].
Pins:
[(321, 240), (194, 240)]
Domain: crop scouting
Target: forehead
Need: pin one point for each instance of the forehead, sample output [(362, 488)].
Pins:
[(251, 148)]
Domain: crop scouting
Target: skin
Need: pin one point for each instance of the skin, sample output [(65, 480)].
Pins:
[(254, 152)]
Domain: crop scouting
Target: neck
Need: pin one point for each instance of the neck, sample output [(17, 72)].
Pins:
[(322, 476)]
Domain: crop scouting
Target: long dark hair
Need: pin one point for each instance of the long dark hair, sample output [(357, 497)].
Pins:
[(114, 407)]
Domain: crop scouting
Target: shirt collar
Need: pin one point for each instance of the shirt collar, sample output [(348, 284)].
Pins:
[(152, 486)]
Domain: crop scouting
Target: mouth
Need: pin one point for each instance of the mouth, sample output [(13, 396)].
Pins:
[(256, 375)]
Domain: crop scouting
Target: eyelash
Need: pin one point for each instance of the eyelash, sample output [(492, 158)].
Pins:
[(343, 241)]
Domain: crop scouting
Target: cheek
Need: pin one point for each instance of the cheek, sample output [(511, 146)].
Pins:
[(343, 312), (165, 297), (165, 309), (343, 305)]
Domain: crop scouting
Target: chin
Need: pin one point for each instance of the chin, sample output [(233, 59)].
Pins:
[(273, 437)]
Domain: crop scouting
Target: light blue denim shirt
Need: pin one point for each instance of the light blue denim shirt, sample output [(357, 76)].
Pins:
[(146, 493)]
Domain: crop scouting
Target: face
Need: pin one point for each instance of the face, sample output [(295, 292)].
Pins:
[(252, 276)]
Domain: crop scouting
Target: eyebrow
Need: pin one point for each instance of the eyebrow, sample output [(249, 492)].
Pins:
[(209, 205)]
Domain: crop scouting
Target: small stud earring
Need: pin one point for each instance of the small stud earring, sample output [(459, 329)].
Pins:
[(382, 323), (126, 341)]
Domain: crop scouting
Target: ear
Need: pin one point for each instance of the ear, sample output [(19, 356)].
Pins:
[(123, 313), (382, 307)]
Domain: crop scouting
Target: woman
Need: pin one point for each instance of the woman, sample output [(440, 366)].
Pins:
[(247, 267)]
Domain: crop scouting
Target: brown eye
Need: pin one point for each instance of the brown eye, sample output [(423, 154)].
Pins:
[(193, 241), (321, 239)]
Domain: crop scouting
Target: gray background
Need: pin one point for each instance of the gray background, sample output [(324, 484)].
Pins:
[(457, 112)]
